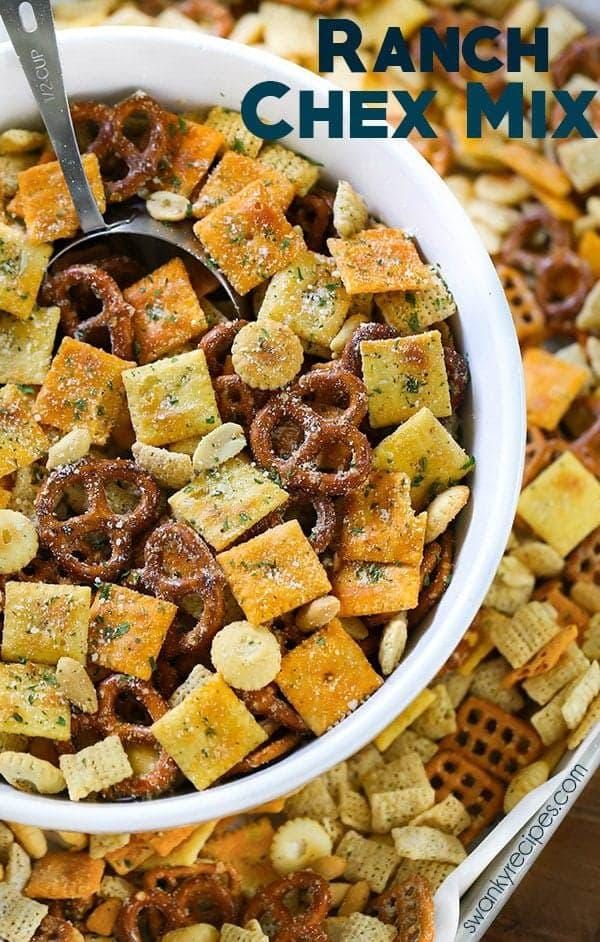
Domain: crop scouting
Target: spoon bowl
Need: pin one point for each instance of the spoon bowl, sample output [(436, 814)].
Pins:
[(30, 27)]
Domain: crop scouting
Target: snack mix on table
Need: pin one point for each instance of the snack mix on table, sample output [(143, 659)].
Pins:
[(357, 853)]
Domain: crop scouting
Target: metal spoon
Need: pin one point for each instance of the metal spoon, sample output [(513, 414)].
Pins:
[(30, 26)]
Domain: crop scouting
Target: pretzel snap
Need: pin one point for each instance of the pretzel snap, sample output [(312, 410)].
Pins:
[(95, 544)]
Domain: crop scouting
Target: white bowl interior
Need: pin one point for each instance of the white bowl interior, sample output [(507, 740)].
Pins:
[(191, 70)]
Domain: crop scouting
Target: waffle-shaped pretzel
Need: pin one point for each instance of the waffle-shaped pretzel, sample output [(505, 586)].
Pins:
[(540, 451), (527, 314), (496, 740), (408, 906), (115, 315), (452, 773), (78, 541)]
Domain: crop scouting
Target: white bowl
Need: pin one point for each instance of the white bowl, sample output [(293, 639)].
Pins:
[(186, 70)]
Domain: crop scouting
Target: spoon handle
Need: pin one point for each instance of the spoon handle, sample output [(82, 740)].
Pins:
[(30, 26)]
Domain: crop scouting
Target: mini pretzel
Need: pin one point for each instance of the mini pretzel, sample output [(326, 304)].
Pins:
[(300, 469), (536, 236), (270, 903), (169, 879), (350, 359), (323, 530), (158, 907), (115, 315), (72, 540), (496, 740), (583, 564), (436, 571), (141, 163), (563, 282), (266, 703), (314, 214), (236, 401), (205, 898), (331, 389), (587, 447), (582, 56), (457, 371), (163, 774), (408, 905), (527, 314), (93, 123), (452, 773), (212, 16)]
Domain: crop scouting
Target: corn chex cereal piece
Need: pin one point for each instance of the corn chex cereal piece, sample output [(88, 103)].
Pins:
[(197, 676), (448, 815), (379, 260), (414, 709), (236, 135), (367, 860), (127, 630), (302, 173), (167, 311), (308, 296), (591, 638), (487, 684), (224, 502), (232, 174), (193, 148), (530, 628), (362, 762), (249, 238), (591, 718), (439, 719), (511, 587), (312, 801), (546, 658), (406, 772), (562, 504), (298, 843), (426, 843), (31, 704), (432, 870), (83, 387), (22, 440), (274, 572), (247, 849), (408, 742), (394, 808), (426, 452), (370, 588), (65, 875), (458, 686), (326, 677), (46, 203), (410, 312), (95, 768), (549, 721), (19, 916), (354, 810), (551, 384), (18, 868), (22, 267), (525, 781), (45, 622), (379, 522), (26, 345), (361, 928), (585, 689), (208, 732), (171, 399)]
